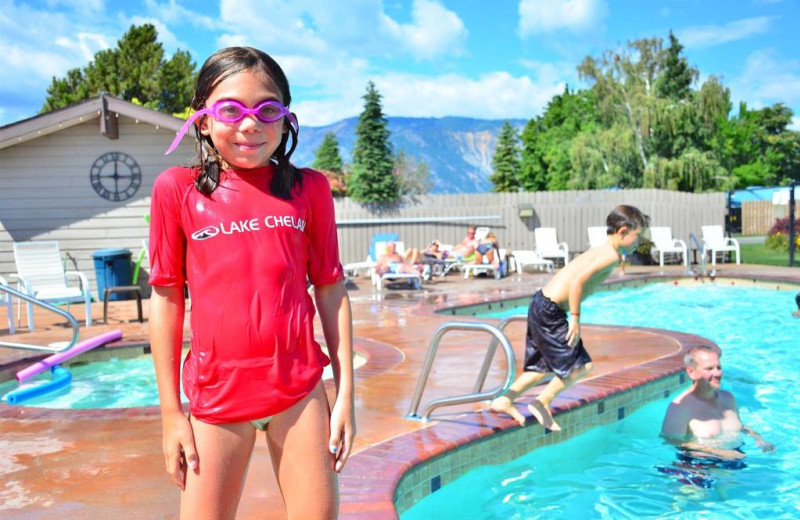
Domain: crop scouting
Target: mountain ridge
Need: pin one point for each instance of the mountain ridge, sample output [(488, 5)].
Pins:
[(458, 150)]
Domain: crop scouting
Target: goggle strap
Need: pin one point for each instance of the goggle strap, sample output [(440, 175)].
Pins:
[(185, 128)]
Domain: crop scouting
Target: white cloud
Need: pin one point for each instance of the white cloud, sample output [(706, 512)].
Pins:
[(577, 16), (767, 79), (171, 12), (362, 27), (165, 36), (709, 35), (795, 125), (497, 95), (435, 31)]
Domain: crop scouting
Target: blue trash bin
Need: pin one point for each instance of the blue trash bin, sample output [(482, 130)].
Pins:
[(113, 269)]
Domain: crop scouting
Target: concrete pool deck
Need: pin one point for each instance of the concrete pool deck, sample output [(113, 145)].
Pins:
[(108, 464)]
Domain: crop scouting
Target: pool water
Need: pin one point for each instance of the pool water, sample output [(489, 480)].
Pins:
[(116, 383), (611, 471)]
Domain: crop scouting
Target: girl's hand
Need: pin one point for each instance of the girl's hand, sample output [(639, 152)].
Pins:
[(574, 331), (180, 454), (343, 432)]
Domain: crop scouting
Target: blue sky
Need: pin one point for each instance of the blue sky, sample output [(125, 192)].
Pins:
[(428, 58)]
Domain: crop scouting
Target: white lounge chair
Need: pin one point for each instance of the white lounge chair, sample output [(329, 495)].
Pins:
[(597, 236), (714, 241), (40, 274), (485, 267), (525, 258), (663, 242), (414, 279), (548, 246), (9, 305)]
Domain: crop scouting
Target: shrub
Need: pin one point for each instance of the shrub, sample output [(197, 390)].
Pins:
[(778, 236)]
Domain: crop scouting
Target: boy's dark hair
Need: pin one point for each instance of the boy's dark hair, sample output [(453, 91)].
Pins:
[(626, 216), (797, 300), (224, 64)]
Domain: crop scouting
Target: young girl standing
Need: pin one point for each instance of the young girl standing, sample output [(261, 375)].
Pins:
[(246, 230)]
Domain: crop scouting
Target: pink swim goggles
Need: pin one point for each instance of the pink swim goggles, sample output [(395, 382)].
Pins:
[(232, 111)]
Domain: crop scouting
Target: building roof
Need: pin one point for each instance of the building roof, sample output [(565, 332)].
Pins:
[(62, 118)]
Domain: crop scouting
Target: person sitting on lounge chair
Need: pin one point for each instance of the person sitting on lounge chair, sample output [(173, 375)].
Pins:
[(394, 262), (487, 248), (466, 247)]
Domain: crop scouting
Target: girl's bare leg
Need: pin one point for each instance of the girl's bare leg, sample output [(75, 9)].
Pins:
[(298, 443), (213, 490)]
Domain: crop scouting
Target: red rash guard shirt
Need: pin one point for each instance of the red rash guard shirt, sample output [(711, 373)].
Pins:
[(246, 256)]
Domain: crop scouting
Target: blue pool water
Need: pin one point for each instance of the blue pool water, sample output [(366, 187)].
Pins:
[(610, 471)]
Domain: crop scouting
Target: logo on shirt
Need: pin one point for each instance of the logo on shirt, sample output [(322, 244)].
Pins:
[(249, 225), (205, 233)]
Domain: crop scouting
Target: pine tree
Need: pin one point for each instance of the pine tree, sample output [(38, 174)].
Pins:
[(134, 69), (676, 80), (373, 179), (327, 157), (506, 160)]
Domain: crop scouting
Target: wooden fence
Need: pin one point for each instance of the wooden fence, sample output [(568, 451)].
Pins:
[(759, 216)]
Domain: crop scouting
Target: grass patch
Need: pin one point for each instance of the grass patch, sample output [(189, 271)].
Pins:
[(759, 254)]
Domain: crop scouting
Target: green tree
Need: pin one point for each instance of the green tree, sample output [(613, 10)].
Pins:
[(373, 179), (547, 140), (677, 77), (135, 68), (413, 175), (327, 157), (506, 160)]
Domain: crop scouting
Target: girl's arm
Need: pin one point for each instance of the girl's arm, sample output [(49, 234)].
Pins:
[(333, 306), (167, 307)]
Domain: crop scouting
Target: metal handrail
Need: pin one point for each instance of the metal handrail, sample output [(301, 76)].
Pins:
[(493, 348), (468, 398), (47, 306), (702, 250)]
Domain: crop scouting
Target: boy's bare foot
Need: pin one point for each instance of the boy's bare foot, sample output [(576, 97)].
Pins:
[(543, 415), (504, 405)]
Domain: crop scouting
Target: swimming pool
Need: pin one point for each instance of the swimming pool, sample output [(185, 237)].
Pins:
[(117, 382), (610, 471)]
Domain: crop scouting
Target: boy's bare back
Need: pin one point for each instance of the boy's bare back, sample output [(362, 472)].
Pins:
[(589, 269)]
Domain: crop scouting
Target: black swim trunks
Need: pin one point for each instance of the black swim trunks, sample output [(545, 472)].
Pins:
[(546, 348)]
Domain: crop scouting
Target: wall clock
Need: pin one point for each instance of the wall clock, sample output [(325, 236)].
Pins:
[(115, 176)]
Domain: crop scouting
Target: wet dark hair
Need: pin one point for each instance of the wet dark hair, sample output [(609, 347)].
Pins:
[(629, 216), (797, 300), (218, 67)]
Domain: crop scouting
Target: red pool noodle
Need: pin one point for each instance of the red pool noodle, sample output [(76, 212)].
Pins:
[(78, 348)]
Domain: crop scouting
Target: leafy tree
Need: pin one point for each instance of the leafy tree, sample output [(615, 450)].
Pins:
[(547, 140), (373, 179), (506, 160), (327, 157), (413, 175), (136, 68)]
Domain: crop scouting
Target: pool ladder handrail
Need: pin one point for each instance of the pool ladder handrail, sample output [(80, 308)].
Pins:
[(498, 338), (31, 346), (700, 247)]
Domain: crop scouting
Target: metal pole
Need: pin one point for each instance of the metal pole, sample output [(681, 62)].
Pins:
[(792, 234)]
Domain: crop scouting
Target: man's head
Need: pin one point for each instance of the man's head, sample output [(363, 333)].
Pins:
[(391, 248), (471, 231), (703, 366)]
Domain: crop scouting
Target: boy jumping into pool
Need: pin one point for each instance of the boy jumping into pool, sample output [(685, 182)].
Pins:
[(553, 343)]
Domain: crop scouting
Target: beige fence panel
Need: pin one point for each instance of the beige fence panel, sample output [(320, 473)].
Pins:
[(446, 217)]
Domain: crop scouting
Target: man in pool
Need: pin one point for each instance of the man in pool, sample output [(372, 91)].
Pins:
[(553, 343), (704, 420)]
